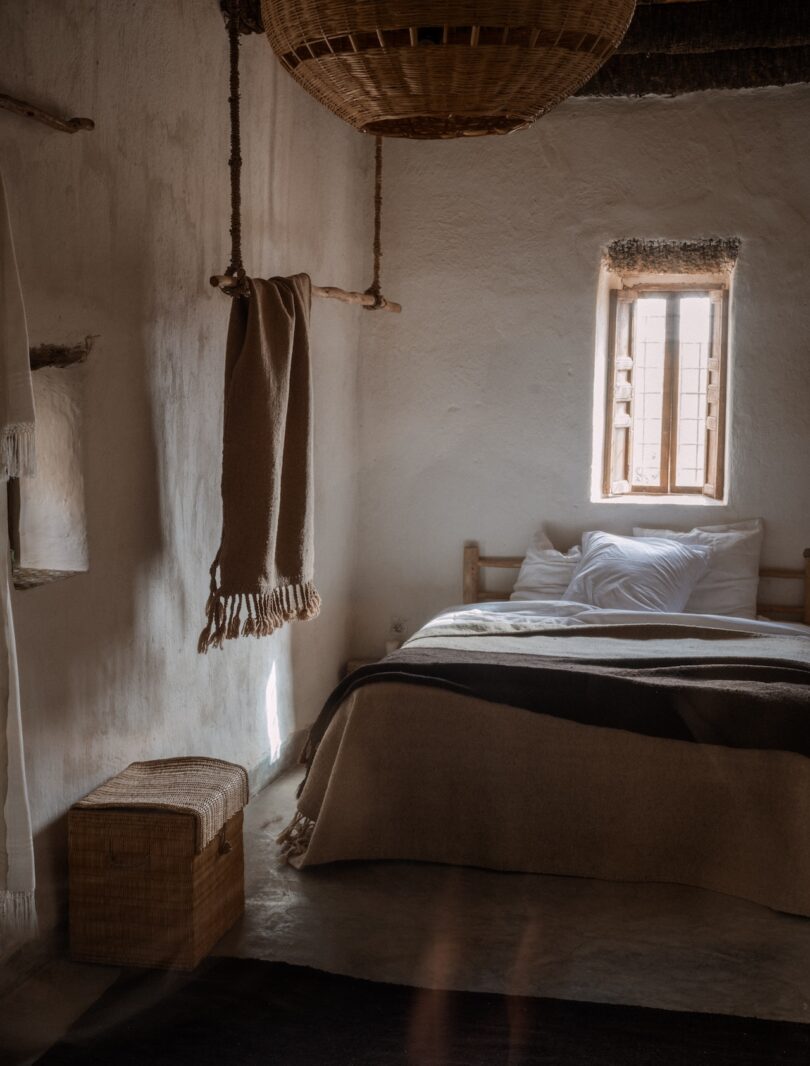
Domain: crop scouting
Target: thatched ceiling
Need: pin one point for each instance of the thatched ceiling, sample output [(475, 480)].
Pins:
[(681, 46)]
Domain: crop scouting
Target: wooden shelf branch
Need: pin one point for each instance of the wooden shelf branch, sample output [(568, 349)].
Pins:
[(60, 355), (66, 125), (324, 292)]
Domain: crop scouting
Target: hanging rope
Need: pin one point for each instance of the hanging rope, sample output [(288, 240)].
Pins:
[(375, 289), (234, 280), (236, 268)]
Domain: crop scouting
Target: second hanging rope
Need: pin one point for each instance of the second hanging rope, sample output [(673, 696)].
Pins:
[(375, 289), (234, 280)]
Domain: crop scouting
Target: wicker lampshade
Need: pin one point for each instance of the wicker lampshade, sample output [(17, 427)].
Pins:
[(428, 68)]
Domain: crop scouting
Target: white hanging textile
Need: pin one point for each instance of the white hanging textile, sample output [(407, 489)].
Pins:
[(17, 910), (16, 390)]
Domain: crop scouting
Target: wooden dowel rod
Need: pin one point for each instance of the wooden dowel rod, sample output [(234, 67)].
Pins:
[(365, 299), (324, 292), (66, 125), (776, 572), (222, 281)]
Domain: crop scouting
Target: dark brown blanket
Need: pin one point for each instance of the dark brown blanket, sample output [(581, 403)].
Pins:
[(730, 701)]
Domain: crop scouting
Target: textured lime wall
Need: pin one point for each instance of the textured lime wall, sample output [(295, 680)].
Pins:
[(117, 232), (477, 405)]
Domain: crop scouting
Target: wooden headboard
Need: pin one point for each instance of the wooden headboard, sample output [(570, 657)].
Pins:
[(474, 592)]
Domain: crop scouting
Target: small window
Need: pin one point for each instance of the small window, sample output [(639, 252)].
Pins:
[(665, 417)]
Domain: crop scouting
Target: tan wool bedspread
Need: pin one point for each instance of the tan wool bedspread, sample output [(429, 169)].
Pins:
[(417, 773)]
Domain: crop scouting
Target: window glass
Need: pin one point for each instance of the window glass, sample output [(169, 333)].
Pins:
[(648, 390), (694, 345)]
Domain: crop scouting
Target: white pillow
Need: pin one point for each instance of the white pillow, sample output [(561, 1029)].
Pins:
[(636, 574), (545, 573), (729, 586)]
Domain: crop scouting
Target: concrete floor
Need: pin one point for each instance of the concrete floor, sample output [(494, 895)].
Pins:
[(653, 945)]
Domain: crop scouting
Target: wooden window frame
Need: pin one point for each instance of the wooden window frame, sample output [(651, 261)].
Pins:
[(618, 449)]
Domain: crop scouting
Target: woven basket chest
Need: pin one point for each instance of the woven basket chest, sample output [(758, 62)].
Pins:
[(143, 892)]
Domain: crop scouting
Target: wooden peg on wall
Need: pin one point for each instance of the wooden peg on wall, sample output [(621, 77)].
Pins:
[(65, 125)]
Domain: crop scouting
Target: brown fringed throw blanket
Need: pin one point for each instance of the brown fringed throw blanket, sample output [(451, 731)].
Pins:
[(265, 558)]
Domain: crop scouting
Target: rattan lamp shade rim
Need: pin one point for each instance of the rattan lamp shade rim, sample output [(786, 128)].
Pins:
[(409, 68)]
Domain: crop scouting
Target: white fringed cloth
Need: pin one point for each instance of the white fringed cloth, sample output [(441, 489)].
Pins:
[(17, 459), (16, 394), (212, 791), (262, 575)]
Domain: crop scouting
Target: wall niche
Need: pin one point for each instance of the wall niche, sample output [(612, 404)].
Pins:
[(47, 521)]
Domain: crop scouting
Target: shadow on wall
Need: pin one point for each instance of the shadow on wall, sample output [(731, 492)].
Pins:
[(77, 639)]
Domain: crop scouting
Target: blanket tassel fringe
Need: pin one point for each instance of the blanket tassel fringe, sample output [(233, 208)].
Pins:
[(266, 612), (17, 451), (18, 917), (295, 839)]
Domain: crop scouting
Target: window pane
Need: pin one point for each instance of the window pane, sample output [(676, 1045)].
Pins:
[(648, 390), (688, 431), (694, 331)]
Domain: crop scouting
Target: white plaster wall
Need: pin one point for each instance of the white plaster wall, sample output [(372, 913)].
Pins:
[(477, 403), (117, 232)]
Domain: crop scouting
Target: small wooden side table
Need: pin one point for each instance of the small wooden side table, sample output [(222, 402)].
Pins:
[(355, 664)]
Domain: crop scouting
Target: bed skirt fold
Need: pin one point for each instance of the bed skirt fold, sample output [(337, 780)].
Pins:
[(406, 772)]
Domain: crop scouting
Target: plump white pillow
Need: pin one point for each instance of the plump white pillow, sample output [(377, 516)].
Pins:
[(545, 573), (636, 574), (729, 586)]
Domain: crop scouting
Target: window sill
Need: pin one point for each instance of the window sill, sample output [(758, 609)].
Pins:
[(648, 499)]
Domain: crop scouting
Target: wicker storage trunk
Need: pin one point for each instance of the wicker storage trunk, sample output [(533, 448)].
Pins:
[(141, 896)]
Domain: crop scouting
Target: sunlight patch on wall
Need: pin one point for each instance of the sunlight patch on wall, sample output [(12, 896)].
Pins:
[(271, 704)]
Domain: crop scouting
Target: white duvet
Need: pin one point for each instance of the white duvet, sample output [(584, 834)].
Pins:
[(525, 615)]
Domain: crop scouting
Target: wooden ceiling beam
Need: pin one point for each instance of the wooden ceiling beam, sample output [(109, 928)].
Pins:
[(680, 46), (717, 26), (672, 75)]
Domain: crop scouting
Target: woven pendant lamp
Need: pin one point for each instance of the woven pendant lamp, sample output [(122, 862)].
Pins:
[(431, 69)]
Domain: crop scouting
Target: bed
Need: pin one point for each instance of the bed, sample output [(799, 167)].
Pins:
[(556, 738)]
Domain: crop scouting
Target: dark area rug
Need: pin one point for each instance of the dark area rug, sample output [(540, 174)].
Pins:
[(242, 1012)]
